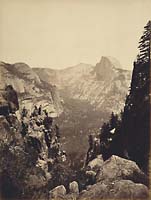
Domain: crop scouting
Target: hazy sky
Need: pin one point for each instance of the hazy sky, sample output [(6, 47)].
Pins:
[(62, 33)]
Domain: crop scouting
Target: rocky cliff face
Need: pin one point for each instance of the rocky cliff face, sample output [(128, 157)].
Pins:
[(32, 160), (19, 175), (31, 89)]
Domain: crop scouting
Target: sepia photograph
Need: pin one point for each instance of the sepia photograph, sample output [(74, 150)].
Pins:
[(75, 99)]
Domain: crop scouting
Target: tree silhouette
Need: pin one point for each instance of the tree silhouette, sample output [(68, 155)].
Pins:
[(144, 45), (135, 119), (110, 138)]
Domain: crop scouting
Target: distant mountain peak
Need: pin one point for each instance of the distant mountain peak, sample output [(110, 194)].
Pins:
[(107, 67), (104, 68), (111, 61)]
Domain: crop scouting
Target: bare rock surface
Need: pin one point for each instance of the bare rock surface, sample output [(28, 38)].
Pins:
[(123, 189), (117, 168), (74, 187), (96, 163), (116, 178), (58, 192), (30, 88), (24, 157)]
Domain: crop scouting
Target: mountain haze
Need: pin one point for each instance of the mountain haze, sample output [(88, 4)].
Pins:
[(104, 85)]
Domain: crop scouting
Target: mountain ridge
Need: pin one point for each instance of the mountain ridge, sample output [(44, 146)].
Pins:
[(91, 83)]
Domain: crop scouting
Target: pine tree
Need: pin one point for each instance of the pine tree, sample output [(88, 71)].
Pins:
[(144, 47), (113, 120), (135, 119), (110, 139), (104, 134)]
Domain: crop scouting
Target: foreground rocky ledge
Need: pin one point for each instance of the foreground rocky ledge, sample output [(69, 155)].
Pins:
[(29, 170), (116, 178)]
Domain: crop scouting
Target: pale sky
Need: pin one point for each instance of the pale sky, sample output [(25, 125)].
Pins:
[(63, 33)]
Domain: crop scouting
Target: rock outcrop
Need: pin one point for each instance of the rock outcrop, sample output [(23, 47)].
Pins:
[(58, 192), (115, 178), (18, 167), (96, 164), (116, 168), (8, 101), (26, 160), (123, 189), (74, 188)]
